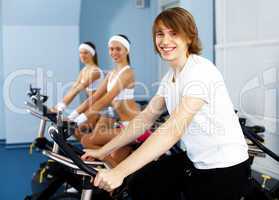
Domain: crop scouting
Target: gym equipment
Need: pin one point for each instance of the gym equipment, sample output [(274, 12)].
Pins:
[(78, 173), (256, 190), (51, 176)]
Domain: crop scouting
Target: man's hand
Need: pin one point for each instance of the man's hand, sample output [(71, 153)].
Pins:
[(92, 154), (108, 180)]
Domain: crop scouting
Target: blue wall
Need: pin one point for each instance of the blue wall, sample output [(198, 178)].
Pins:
[(40, 43), (203, 14), (99, 21), (43, 12), (123, 17), (2, 116)]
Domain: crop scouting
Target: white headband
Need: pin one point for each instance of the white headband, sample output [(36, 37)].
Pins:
[(88, 48), (120, 39)]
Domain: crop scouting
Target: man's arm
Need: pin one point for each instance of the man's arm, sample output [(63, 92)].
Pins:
[(164, 137), (157, 144)]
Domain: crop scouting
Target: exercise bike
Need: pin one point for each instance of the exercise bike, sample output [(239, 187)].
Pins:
[(77, 175)]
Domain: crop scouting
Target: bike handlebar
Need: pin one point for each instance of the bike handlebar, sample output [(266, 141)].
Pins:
[(250, 135)]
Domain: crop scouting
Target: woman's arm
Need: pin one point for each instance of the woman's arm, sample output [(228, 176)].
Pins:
[(157, 144), (101, 90), (80, 84), (125, 80)]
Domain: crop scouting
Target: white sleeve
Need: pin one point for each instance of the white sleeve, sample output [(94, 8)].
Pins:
[(200, 82)]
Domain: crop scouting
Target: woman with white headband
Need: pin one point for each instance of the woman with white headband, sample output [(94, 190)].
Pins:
[(88, 79), (116, 90)]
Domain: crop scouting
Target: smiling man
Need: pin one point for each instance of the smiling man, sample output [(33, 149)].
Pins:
[(201, 115)]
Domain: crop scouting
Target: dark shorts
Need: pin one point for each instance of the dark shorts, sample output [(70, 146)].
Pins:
[(173, 176)]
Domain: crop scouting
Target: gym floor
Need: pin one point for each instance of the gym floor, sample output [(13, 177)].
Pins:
[(16, 169)]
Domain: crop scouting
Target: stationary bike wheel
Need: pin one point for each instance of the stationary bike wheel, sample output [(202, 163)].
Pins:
[(66, 196)]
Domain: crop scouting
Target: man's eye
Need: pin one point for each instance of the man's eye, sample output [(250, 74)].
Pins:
[(159, 34)]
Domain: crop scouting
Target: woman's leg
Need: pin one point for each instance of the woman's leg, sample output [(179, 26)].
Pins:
[(117, 156), (120, 154), (103, 136), (99, 137), (103, 124), (86, 129), (108, 158)]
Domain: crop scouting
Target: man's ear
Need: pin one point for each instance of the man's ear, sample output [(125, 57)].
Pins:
[(188, 41)]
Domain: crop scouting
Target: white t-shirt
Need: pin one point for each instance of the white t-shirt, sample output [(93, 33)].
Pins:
[(214, 138)]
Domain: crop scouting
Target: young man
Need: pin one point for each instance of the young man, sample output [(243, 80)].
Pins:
[(201, 115)]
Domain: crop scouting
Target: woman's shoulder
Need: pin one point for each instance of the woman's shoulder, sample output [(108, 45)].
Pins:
[(128, 70), (94, 70), (130, 73)]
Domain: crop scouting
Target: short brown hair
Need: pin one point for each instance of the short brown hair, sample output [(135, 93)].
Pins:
[(182, 22)]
